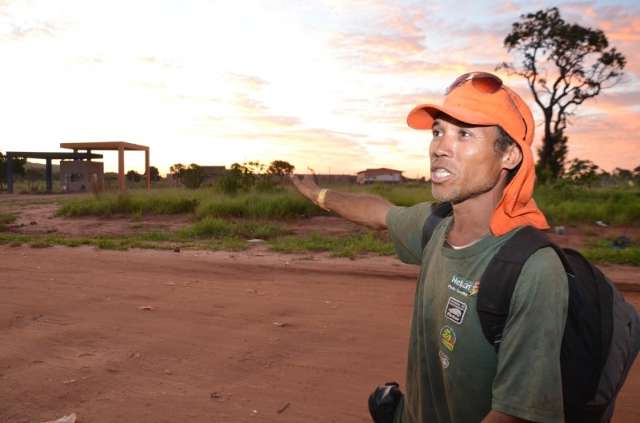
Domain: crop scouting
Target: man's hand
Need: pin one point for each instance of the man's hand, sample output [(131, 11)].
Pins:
[(364, 209), (307, 186)]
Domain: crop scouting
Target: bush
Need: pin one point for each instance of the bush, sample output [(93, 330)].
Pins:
[(193, 176)]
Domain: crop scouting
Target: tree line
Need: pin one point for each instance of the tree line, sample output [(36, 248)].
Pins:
[(239, 177)]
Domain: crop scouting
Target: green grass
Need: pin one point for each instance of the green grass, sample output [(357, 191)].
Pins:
[(208, 233), (339, 246), (203, 202), (571, 204), (137, 203), (402, 195), (562, 203), (5, 219), (210, 227), (278, 205), (603, 252)]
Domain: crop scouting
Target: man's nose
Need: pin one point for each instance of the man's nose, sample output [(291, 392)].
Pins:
[(442, 146)]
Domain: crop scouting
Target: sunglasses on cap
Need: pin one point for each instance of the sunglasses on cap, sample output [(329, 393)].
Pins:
[(486, 83)]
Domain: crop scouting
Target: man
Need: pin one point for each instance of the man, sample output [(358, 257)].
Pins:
[(481, 162)]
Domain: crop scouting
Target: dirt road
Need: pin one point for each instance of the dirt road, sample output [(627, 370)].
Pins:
[(147, 336)]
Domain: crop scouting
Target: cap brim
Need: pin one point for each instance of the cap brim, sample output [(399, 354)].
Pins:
[(422, 116)]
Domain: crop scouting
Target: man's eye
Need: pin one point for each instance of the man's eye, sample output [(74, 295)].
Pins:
[(436, 132), (465, 134)]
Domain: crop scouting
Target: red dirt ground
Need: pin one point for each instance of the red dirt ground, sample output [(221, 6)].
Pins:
[(152, 336)]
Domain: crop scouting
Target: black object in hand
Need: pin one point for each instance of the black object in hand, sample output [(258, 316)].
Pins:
[(383, 402)]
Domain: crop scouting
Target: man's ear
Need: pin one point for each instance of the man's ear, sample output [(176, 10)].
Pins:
[(512, 157)]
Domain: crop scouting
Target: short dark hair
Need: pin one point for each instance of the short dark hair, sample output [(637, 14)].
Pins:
[(503, 142)]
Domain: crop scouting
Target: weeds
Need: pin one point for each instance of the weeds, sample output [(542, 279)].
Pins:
[(204, 203), (6, 219), (340, 246), (603, 252), (561, 204)]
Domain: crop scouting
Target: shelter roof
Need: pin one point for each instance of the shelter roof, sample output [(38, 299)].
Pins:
[(54, 155), (103, 145)]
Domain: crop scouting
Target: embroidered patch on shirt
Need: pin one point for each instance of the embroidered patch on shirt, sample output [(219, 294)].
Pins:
[(444, 360), (464, 286), (455, 310), (447, 338)]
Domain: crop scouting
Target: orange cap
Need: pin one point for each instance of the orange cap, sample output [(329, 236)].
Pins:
[(506, 109)]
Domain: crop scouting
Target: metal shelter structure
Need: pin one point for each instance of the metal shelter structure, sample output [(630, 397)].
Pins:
[(48, 156), (120, 147)]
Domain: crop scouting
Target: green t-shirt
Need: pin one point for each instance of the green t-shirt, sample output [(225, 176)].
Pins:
[(453, 373)]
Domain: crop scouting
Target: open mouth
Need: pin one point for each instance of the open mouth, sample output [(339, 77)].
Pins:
[(440, 175)]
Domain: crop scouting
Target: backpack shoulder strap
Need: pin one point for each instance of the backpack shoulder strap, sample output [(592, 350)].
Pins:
[(438, 212), (499, 280)]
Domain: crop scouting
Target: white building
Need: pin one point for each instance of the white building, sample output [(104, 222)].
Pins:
[(379, 175)]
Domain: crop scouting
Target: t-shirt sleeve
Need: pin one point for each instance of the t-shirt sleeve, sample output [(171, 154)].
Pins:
[(528, 381), (405, 227)]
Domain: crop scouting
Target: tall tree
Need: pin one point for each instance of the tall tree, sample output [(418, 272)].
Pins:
[(564, 65), (155, 173), (133, 176)]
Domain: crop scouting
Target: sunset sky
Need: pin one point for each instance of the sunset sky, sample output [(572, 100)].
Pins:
[(321, 83)]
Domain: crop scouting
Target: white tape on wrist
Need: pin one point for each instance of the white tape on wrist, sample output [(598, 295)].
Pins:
[(322, 198)]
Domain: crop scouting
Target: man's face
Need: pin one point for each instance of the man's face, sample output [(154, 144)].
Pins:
[(464, 162)]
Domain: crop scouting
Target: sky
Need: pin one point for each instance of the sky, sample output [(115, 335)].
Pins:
[(325, 84)]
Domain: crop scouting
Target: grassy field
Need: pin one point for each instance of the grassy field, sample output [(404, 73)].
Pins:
[(561, 204), (208, 233), (227, 222), (203, 203)]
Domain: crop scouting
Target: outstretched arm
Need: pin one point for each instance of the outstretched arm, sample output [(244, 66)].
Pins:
[(364, 209)]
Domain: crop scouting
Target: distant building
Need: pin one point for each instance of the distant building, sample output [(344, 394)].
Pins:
[(212, 173), (382, 174)]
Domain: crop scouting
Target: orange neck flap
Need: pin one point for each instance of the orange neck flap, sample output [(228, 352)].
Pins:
[(517, 206)]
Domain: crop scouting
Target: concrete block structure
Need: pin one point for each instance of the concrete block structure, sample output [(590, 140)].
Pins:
[(80, 175), (120, 147)]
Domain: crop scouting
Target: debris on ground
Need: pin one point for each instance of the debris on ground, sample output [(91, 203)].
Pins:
[(284, 408), (559, 230), (280, 324), (621, 242), (255, 241), (145, 308), (601, 224), (71, 418)]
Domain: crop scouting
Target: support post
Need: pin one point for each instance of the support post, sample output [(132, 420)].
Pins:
[(49, 176), (9, 159), (147, 168), (121, 167)]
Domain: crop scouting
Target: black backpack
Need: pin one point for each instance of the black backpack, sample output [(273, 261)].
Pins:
[(602, 333)]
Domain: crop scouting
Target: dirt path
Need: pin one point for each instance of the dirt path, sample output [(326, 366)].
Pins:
[(228, 337)]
